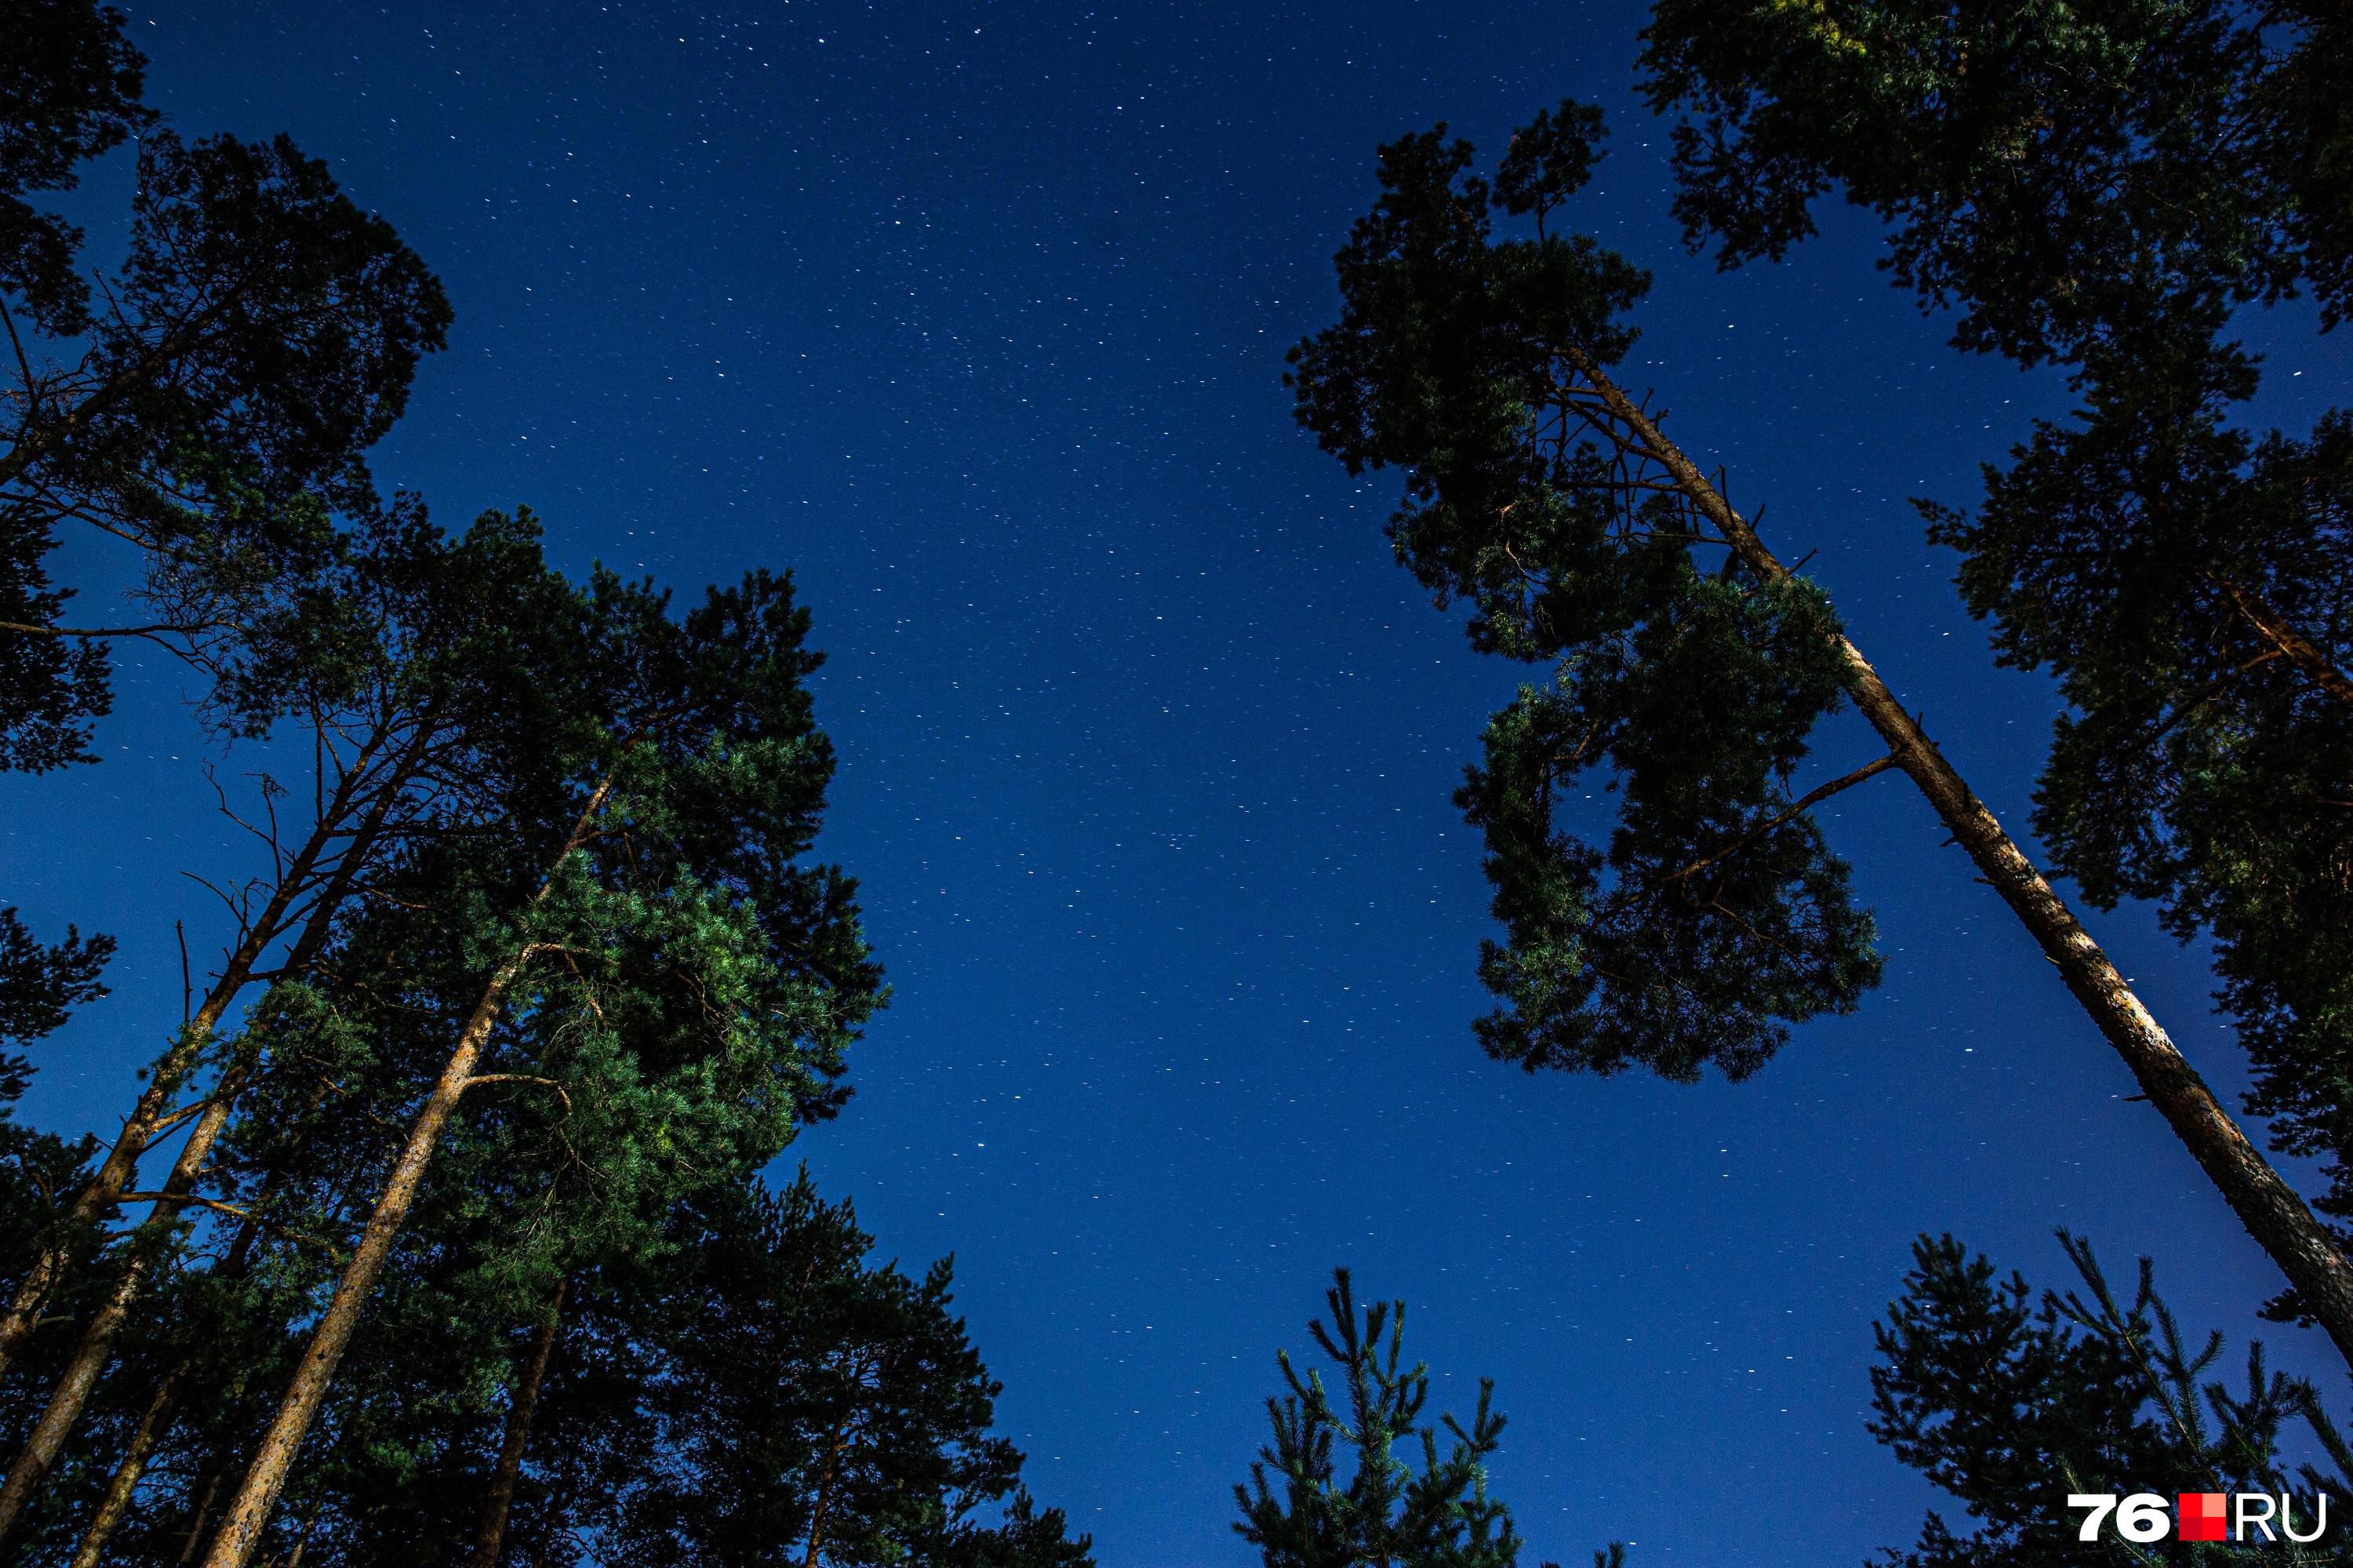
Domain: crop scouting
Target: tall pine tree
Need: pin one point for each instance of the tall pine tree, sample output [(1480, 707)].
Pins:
[(2102, 188), (654, 901), (1690, 670)]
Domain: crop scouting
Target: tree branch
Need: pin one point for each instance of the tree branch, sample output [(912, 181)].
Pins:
[(481, 1078), (1814, 797), (2301, 651)]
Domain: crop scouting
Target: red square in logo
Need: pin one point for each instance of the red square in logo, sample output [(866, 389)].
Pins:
[(2203, 1515)]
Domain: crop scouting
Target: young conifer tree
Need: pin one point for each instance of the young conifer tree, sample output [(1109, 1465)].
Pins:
[(2010, 1404), (1301, 1512), (1690, 668)]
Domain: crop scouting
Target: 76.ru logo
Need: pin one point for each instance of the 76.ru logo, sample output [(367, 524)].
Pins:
[(2142, 1518)]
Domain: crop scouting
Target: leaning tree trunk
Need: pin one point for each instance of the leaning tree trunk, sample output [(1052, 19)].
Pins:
[(2271, 1210), (2285, 638), (163, 1406), (115, 1506), (500, 1500), (151, 1118), (241, 1526), (148, 1242)]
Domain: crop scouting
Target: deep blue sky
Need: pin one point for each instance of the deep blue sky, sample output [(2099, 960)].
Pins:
[(972, 316)]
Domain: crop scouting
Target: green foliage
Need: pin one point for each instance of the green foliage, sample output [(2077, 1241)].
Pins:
[(1715, 916), (69, 86), (1298, 1511), (2101, 187), (758, 1380), (695, 986), (2009, 1405), (261, 335), (39, 986), (810, 1403), (2072, 178), (2198, 766)]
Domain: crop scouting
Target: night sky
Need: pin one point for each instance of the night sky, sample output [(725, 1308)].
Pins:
[(972, 316)]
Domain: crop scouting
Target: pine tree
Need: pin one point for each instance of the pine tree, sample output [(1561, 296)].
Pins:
[(261, 335), (2102, 189), (811, 1406), (1299, 1512), (705, 983), (415, 664), (1690, 668), (2009, 1405)]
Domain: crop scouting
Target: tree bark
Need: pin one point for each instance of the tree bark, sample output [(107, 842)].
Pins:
[(154, 1234), (2272, 1210), (500, 1497), (825, 1491), (2300, 651), (241, 1526), (119, 1489), (161, 1411), (148, 1118), (96, 1350)]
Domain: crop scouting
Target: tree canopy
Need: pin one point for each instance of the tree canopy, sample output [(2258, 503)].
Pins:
[(2104, 188)]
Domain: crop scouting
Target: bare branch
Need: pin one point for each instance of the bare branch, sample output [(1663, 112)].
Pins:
[(1811, 798), (242, 1214), (481, 1078)]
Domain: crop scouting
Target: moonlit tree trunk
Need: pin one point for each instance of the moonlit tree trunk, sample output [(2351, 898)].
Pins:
[(151, 1118), (2272, 1210), (147, 1243), (124, 1483), (248, 1512)]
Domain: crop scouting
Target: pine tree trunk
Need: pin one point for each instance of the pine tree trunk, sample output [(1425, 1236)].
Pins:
[(96, 1350), (155, 1234), (824, 1503), (164, 1407), (147, 1120), (2272, 1210), (116, 1505), (823, 1507), (2300, 649), (195, 1537), (495, 1507), (241, 1526)]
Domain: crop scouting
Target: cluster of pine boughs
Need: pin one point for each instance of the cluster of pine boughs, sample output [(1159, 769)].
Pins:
[(438, 1231)]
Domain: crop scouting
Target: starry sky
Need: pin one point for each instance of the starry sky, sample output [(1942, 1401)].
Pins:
[(972, 316)]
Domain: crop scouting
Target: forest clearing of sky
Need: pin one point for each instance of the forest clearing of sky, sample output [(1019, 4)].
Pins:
[(972, 316)]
